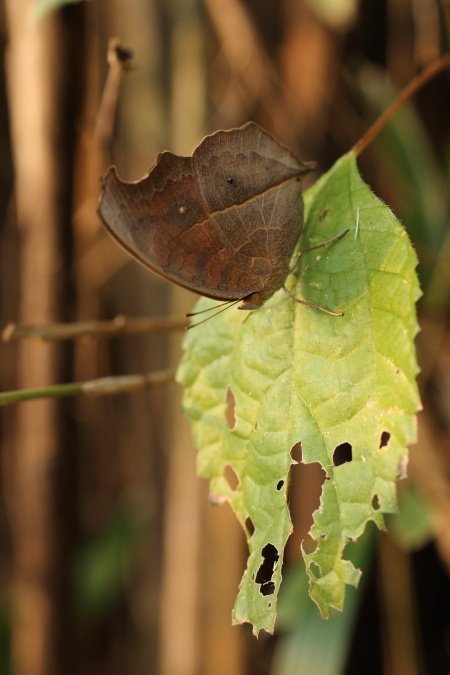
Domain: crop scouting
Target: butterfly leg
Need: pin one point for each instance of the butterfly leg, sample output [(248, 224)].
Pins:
[(310, 304), (313, 248)]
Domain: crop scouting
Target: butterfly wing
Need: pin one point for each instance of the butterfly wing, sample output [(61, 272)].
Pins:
[(217, 223)]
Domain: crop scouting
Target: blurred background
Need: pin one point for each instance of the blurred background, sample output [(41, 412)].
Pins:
[(112, 561)]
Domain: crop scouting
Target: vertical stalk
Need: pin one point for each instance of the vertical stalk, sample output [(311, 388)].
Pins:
[(181, 589), (33, 81)]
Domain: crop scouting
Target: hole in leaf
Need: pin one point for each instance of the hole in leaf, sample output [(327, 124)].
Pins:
[(315, 570), (296, 452), (375, 503), (230, 417), (323, 535), (309, 544), (280, 485), (266, 569), (384, 440), (231, 477), (267, 588), (305, 488), (249, 525), (342, 454)]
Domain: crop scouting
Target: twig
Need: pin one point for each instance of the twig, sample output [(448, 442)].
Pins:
[(416, 83), (119, 60), (104, 386), (120, 325)]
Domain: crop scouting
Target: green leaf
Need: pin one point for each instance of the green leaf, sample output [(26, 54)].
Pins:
[(296, 374), (308, 645)]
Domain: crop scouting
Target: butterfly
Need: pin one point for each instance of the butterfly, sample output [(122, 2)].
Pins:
[(222, 223)]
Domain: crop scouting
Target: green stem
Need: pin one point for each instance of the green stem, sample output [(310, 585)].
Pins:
[(104, 386), (8, 397)]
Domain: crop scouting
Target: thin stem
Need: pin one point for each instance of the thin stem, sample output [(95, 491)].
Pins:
[(119, 60), (416, 83), (104, 386), (118, 326), (56, 391)]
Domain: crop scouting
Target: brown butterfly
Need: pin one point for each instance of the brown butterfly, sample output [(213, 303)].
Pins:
[(222, 223)]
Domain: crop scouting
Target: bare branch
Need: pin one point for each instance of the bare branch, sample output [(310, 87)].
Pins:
[(104, 386), (118, 326)]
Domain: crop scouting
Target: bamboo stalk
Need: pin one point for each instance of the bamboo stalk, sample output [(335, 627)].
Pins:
[(33, 68)]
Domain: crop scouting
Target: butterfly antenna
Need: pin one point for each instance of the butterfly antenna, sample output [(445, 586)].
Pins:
[(209, 309), (228, 303)]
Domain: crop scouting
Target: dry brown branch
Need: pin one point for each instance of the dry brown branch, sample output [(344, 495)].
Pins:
[(118, 326), (106, 386), (405, 95), (119, 61)]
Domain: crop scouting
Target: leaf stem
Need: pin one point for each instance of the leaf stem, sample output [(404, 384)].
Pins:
[(416, 83)]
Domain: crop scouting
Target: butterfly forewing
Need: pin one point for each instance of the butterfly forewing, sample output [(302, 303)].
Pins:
[(222, 223)]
